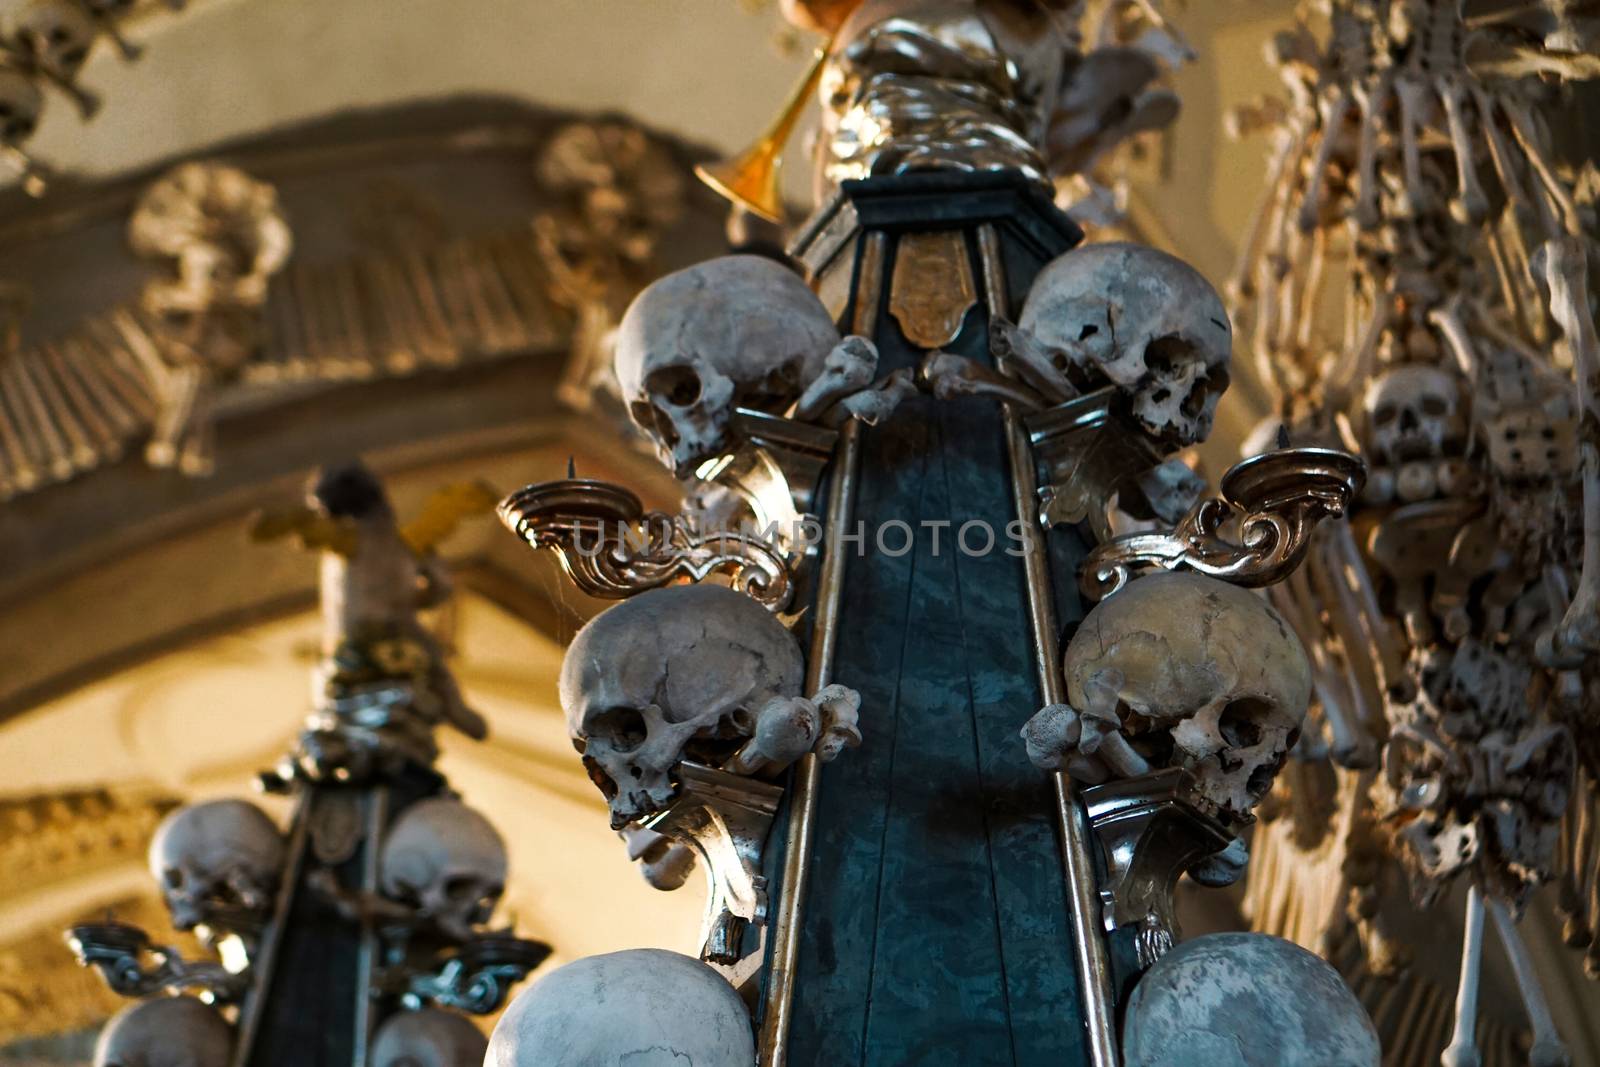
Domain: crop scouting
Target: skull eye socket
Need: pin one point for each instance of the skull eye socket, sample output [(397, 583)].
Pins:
[(625, 728), (1240, 724), (1384, 414), (1434, 406), (173, 877), (679, 386), (1164, 355)]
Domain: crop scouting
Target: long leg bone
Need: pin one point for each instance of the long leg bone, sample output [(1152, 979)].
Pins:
[(1332, 110), (949, 376), (877, 402), (1463, 1048), (1413, 94), (1566, 273), (1548, 1049), (1527, 135), (1015, 348), (1470, 205), (1373, 100), (848, 369)]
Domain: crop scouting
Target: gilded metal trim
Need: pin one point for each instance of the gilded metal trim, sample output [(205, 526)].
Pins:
[(932, 288), (612, 548), (805, 785), (1277, 499), (1077, 857)]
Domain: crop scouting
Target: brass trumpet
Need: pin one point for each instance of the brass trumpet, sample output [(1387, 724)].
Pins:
[(750, 179)]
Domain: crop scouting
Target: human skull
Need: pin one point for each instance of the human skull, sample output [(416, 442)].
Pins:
[(1412, 412), (165, 1032), (1245, 1000), (428, 1038), (448, 861), (217, 862), (739, 331), (673, 673), (58, 33), (639, 1008), (21, 104), (1145, 321), (1206, 676)]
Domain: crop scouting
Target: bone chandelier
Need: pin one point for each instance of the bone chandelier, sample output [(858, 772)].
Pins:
[(1416, 285), (359, 937), (941, 797)]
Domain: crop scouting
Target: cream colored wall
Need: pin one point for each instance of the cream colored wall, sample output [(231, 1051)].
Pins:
[(199, 722)]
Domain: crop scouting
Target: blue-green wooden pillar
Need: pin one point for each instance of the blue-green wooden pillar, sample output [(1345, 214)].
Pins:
[(936, 928)]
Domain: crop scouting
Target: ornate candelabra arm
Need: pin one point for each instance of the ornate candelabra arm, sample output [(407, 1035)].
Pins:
[(476, 978), (612, 548), (135, 967), (1277, 498)]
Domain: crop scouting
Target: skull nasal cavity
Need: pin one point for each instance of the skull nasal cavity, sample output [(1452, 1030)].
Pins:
[(625, 728), (679, 385), (1240, 724)]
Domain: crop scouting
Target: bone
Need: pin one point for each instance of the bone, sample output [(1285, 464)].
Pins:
[(1373, 101), (1051, 734), (1015, 349), (1332, 110), (1548, 1050), (1413, 94), (848, 369), (56, 453), (841, 708), (80, 439), (1470, 205), (1448, 321), (24, 474), (1572, 901), (98, 394), (1280, 177), (1524, 129), (950, 376), (785, 730), (1463, 1048), (664, 863), (877, 402)]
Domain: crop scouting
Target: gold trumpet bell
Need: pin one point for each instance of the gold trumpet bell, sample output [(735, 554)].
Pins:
[(751, 179)]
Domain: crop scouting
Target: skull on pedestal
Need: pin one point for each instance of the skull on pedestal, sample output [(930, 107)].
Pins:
[(1180, 670), (447, 861), (1139, 319), (165, 1032), (684, 672), (217, 862), (428, 1038), (739, 331)]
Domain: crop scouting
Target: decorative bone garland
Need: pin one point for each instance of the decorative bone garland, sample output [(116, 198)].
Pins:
[(1452, 622)]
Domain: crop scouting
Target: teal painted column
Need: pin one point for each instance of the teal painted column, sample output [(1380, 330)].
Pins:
[(936, 928)]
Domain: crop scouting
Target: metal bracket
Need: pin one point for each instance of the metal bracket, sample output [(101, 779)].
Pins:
[(776, 471), (1151, 830), (725, 818), (1085, 450), (475, 978), (123, 955)]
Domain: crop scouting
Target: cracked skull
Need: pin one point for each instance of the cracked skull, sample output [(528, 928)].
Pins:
[(448, 861), (1412, 412), (739, 331), (1205, 676), (678, 673), (165, 1032), (1143, 320), (217, 861), (428, 1038)]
